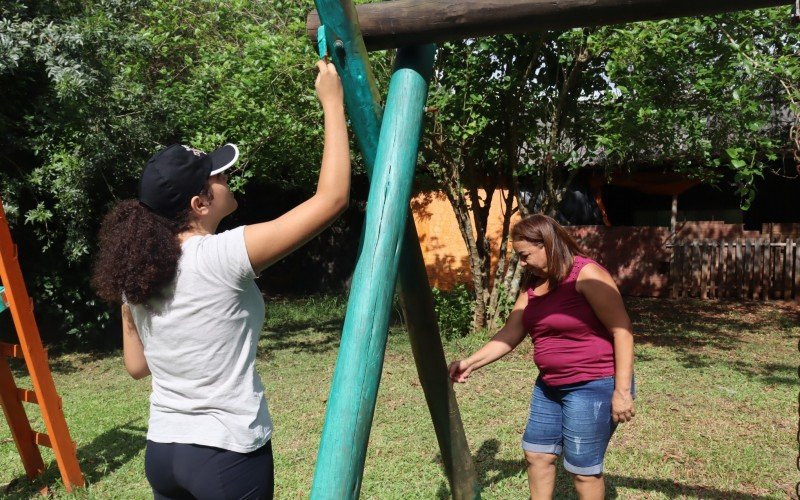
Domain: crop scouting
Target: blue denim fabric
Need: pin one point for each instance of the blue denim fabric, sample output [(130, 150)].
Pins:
[(572, 419)]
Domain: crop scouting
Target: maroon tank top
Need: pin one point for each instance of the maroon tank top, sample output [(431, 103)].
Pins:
[(570, 344)]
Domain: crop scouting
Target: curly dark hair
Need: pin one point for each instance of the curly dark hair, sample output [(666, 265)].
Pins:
[(138, 252)]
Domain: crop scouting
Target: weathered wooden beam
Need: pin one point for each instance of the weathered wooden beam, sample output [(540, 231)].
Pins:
[(423, 332), (409, 22)]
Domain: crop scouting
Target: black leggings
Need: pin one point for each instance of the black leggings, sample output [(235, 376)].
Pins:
[(186, 471)]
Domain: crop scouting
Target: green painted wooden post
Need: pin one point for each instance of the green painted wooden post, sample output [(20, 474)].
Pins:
[(361, 98), (426, 344), (351, 404)]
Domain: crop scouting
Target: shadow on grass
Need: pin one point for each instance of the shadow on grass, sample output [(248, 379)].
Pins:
[(103, 456), (304, 336), (489, 468), (687, 324), (492, 470), (312, 335), (671, 489), (694, 329), (65, 364)]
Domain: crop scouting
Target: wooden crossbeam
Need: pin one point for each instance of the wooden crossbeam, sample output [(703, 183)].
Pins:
[(42, 439), (11, 350), (399, 23), (27, 396)]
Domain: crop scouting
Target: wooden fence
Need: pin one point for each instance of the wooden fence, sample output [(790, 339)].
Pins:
[(741, 268)]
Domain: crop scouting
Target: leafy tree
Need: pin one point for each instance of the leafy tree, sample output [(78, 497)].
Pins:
[(505, 108), (681, 95), (72, 122), (776, 56), (526, 112), (94, 88)]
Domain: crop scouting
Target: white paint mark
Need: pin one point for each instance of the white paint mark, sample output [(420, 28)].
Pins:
[(597, 406)]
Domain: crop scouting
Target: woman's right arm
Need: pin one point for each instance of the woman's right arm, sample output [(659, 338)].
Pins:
[(270, 241), (501, 344)]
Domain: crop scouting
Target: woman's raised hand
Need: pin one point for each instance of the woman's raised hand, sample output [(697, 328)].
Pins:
[(328, 84)]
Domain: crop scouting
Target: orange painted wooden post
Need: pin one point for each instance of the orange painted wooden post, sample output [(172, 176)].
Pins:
[(44, 391), (17, 419)]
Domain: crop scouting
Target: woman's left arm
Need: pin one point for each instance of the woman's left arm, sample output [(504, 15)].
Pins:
[(601, 292), (132, 348)]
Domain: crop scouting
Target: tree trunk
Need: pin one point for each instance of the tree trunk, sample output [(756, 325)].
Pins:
[(456, 196)]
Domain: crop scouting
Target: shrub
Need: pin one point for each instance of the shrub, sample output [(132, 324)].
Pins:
[(454, 310)]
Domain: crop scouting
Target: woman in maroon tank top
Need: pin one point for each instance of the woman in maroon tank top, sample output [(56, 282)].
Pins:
[(583, 348)]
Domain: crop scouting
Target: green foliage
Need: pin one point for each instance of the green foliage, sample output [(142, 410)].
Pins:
[(94, 88), (709, 97), (681, 94), (74, 121), (252, 84), (454, 311)]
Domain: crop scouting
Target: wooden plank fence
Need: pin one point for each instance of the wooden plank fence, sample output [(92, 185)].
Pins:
[(756, 269)]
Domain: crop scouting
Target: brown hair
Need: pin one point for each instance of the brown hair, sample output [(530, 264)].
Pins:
[(138, 252), (560, 247)]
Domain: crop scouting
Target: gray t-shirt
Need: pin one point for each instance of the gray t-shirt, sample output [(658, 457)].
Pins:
[(200, 345)]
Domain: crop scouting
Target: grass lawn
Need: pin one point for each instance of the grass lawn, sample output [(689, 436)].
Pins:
[(716, 410)]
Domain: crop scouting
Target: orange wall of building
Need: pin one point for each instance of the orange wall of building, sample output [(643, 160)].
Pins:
[(637, 257), (443, 248)]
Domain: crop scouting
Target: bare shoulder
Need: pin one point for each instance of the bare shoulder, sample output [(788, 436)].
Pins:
[(593, 277), (592, 271)]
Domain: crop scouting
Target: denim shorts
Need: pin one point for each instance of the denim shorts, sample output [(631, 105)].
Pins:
[(574, 419)]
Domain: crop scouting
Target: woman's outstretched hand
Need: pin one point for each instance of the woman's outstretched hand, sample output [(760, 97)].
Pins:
[(460, 370), (328, 84)]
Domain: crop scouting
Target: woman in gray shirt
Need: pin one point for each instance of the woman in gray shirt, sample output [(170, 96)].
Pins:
[(192, 314)]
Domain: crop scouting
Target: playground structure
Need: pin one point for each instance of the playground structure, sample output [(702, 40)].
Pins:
[(389, 252), (14, 296), (389, 249)]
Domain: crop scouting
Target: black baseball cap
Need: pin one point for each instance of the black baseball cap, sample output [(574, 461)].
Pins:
[(177, 173)]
